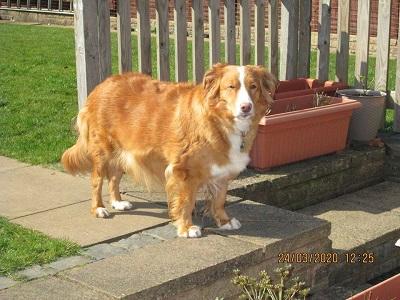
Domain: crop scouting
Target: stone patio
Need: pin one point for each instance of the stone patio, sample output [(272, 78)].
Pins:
[(136, 254)]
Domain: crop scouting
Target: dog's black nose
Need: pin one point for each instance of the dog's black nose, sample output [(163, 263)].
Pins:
[(245, 107)]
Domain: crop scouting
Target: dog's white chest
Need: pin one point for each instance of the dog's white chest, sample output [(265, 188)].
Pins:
[(237, 160)]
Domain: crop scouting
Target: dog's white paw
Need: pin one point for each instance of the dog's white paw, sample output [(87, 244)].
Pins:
[(193, 232), (231, 225), (102, 212), (121, 205)]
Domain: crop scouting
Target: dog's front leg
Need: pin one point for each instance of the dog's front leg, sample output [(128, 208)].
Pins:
[(181, 193), (218, 211)]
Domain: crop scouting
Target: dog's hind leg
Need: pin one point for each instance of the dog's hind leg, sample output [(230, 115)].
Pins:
[(217, 208), (99, 171), (181, 193), (114, 175), (98, 208)]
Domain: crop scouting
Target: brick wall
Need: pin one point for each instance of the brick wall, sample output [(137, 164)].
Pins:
[(353, 16), (314, 22)]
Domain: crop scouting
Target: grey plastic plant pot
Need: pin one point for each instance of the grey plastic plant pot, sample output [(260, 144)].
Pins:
[(366, 120)]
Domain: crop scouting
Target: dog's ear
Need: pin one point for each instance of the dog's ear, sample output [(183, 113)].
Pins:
[(211, 80), (268, 82)]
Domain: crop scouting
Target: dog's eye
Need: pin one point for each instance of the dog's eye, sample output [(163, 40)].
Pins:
[(231, 87), (253, 86)]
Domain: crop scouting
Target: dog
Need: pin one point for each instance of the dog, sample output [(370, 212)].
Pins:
[(183, 136)]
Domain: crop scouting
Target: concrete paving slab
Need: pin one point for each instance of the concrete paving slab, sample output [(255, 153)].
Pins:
[(384, 196), (6, 282), (393, 144), (160, 198), (166, 232), (34, 189), (136, 241), (68, 262), (360, 217), (265, 225), (167, 268), (35, 272), (50, 288), (102, 251), (7, 164), (75, 222)]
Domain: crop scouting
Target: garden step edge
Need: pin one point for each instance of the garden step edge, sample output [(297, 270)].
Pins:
[(202, 268)]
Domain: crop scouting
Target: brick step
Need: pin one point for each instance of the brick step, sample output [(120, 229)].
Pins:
[(298, 185), (363, 222), (178, 268), (392, 161)]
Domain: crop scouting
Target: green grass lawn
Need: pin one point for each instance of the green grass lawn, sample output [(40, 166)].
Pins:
[(20, 248), (38, 88)]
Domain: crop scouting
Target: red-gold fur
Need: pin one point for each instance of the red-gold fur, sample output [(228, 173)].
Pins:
[(168, 133)]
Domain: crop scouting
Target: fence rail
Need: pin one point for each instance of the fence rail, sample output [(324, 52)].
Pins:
[(289, 57)]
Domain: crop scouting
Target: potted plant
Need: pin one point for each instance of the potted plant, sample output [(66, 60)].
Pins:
[(366, 120), (306, 86), (301, 127)]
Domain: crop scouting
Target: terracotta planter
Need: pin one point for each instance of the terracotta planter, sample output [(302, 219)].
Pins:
[(365, 121), (388, 289), (306, 86), (284, 137)]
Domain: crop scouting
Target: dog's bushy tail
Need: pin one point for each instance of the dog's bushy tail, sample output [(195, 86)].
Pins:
[(76, 159)]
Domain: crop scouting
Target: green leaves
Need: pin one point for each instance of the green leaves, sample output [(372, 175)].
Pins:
[(264, 288)]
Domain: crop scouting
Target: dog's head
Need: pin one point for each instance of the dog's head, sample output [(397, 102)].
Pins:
[(241, 92)]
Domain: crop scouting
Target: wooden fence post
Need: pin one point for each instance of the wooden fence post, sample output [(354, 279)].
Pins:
[(324, 39), (396, 121), (245, 47), (86, 48), (383, 44), (104, 39), (382, 51), (230, 32), (162, 39), (273, 33), (124, 36), (214, 30), (303, 63), (289, 39), (198, 40), (180, 40), (144, 37), (342, 52), (259, 12), (362, 47)]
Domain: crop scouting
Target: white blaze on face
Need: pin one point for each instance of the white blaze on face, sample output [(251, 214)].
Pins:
[(243, 96)]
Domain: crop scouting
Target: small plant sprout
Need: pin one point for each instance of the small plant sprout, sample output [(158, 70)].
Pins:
[(264, 287), (321, 99), (364, 85)]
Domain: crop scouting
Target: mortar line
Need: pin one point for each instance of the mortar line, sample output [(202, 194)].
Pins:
[(46, 210), (90, 287)]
